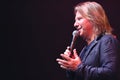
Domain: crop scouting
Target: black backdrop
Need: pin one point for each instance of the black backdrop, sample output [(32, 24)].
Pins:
[(37, 31)]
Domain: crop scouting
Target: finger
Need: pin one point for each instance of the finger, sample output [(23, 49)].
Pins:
[(63, 64), (68, 48), (61, 61), (63, 67), (67, 52), (65, 57), (75, 53)]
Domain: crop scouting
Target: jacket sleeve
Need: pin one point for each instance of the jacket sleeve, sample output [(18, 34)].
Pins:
[(108, 63)]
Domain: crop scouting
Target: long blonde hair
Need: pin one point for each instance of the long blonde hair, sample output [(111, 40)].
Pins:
[(95, 13)]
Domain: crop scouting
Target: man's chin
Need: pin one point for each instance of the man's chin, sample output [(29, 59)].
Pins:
[(82, 36)]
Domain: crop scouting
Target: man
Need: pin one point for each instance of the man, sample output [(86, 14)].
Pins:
[(98, 60)]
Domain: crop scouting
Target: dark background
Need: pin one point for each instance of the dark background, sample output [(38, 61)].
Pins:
[(37, 31)]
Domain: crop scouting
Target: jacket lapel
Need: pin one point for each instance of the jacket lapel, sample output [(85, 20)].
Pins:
[(82, 53), (88, 51)]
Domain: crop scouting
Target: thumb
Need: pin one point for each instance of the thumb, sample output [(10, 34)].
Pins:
[(75, 53)]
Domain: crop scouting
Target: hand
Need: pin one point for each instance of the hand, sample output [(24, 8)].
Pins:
[(67, 62)]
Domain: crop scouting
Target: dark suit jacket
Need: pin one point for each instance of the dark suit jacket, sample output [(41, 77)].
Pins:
[(99, 62)]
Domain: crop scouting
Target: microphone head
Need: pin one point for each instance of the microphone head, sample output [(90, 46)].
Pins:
[(75, 33)]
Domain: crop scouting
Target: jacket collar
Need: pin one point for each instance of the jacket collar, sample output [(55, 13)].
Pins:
[(92, 44)]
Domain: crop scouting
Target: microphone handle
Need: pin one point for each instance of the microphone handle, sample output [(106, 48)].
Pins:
[(72, 44)]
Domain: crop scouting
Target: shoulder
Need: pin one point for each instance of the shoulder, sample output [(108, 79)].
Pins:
[(109, 37), (110, 40)]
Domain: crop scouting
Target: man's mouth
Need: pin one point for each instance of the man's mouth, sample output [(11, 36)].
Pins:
[(79, 28)]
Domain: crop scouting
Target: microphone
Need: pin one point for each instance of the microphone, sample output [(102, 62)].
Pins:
[(75, 35)]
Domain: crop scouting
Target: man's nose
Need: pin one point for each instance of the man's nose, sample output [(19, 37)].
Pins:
[(75, 25)]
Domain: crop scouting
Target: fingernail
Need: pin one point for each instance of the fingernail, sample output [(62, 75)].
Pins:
[(61, 54), (59, 62)]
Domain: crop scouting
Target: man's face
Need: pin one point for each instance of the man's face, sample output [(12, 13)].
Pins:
[(83, 26)]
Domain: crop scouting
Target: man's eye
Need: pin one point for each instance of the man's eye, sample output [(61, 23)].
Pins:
[(79, 18)]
